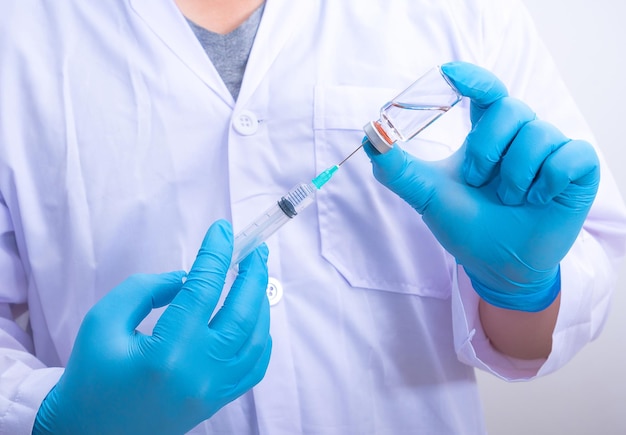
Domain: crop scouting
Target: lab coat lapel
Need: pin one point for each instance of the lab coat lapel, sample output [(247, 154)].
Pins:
[(280, 19), (167, 22)]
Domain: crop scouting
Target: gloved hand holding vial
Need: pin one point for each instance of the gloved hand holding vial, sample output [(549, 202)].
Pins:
[(509, 203)]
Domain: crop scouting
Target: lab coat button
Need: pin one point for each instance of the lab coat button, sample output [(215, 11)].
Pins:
[(246, 123), (274, 291)]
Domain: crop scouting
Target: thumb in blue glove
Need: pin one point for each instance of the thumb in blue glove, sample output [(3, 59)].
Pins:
[(120, 381), (509, 203)]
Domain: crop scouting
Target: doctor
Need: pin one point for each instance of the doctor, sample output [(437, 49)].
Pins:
[(128, 127)]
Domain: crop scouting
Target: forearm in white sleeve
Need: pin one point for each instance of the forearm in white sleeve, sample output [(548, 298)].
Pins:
[(24, 380), (24, 383)]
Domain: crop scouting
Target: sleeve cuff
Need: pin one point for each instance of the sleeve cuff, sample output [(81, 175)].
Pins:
[(24, 398), (584, 306)]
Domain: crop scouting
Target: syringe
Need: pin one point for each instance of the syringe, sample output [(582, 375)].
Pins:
[(280, 213)]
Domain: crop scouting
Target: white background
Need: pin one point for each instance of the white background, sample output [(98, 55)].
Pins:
[(588, 396)]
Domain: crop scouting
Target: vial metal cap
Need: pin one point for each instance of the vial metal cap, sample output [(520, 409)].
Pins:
[(376, 139)]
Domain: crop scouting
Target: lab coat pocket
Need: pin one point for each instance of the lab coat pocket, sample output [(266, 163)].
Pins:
[(370, 236)]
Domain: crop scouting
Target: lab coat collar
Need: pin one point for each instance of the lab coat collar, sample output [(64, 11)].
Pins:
[(280, 18), (168, 23)]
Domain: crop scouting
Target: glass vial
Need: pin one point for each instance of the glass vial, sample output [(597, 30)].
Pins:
[(412, 110)]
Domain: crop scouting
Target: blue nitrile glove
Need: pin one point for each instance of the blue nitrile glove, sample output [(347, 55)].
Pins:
[(510, 203), (119, 381)]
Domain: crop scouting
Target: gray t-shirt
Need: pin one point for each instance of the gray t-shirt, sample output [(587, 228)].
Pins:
[(229, 53)]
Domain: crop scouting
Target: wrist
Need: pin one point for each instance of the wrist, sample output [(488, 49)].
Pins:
[(529, 298)]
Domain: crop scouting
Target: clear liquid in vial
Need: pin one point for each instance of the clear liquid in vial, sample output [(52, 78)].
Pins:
[(402, 121)]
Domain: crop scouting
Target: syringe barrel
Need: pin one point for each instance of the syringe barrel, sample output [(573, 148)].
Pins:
[(271, 220)]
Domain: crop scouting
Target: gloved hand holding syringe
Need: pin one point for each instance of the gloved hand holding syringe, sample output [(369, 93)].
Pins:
[(402, 118)]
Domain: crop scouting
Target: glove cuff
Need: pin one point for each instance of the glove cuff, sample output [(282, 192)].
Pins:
[(530, 302)]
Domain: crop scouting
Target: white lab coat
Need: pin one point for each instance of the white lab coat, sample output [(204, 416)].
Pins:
[(119, 145)]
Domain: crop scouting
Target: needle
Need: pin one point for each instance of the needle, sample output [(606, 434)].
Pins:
[(324, 176), (350, 155)]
